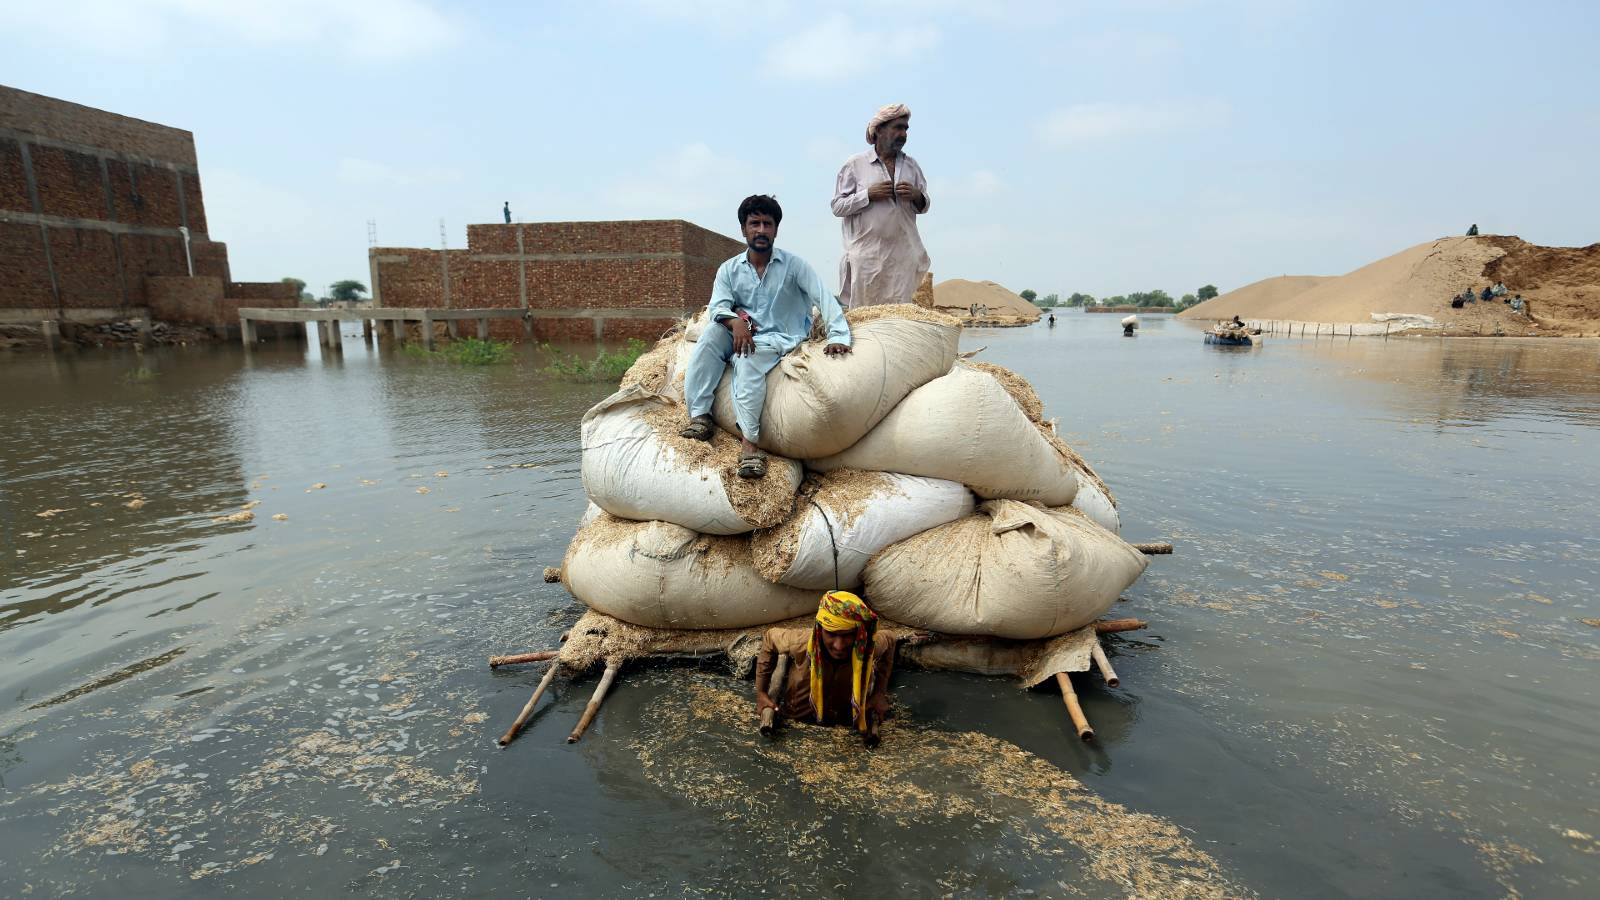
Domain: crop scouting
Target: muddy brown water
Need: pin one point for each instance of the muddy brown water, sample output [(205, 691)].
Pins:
[(1367, 674)]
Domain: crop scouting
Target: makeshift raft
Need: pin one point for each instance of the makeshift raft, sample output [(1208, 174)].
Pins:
[(598, 640)]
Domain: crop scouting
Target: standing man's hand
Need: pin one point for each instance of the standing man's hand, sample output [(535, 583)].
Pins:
[(743, 343), (836, 349), (909, 192), (764, 702), (880, 190)]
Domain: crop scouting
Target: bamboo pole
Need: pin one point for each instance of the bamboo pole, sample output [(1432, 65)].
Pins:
[(496, 662), (1108, 626), (1079, 721), (527, 709), (780, 677), (1104, 665), (1158, 548), (594, 702)]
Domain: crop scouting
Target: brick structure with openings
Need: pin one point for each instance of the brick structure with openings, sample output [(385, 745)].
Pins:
[(91, 207), (580, 281)]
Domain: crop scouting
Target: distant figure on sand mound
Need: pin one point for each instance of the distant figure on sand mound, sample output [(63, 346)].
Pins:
[(879, 194), (1473, 231), (761, 305), (839, 672)]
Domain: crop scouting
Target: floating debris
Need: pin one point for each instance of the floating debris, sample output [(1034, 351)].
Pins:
[(135, 503), (423, 490), (241, 516), (280, 517), (52, 513), (317, 487)]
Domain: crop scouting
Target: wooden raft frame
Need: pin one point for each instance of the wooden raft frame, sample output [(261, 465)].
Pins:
[(600, 639)]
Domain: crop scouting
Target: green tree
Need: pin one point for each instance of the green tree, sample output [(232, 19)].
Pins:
[(1206, 293), (1187, 301), (1028, 294), (346, 291), (1050, 300), (1078, 299), (1118, 300), (299, 286)]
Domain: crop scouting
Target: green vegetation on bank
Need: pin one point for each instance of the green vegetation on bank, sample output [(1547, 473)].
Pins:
[(1156, 297), (465, 352), (606, 365)]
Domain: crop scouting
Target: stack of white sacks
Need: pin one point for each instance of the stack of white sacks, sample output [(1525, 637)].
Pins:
[(926, 483)]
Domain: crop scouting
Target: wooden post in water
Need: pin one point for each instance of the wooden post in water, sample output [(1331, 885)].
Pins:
[(1070, 698), (496, 662), (1104, 664), (594, 702), (527, 708)]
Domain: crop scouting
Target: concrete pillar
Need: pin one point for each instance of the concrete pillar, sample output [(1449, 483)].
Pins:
[(427, 331), (483, 329), (142, 328), (527, 325), (450, 329), (247, 332), (323, 338), (366, 331), (398, 326), (51, 329)]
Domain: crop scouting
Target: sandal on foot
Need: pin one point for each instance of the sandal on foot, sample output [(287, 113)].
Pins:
[(698, 429), (752, 465)]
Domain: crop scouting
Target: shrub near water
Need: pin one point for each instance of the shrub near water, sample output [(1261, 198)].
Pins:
[(466, 352), (606, 365)]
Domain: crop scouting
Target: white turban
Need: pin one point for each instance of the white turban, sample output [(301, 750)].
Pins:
[(886, 114)]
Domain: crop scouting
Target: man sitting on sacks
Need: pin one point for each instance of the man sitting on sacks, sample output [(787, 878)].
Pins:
[(760, 309), (839, 672)]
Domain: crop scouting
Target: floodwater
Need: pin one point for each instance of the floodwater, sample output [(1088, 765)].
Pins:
[(1368, 670)]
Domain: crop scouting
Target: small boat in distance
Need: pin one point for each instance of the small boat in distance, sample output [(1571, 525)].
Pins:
[(1233, 334)]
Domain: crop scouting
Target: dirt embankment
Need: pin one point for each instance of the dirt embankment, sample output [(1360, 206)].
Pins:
[(1560, 284), (957, 296)]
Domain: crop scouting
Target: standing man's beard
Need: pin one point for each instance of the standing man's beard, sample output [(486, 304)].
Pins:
[(760, 243)]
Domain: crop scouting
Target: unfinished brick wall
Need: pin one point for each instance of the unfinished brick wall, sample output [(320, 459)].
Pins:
[(583, 281), (90, 206)]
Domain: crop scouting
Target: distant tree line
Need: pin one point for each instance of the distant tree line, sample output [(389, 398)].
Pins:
[(347, 290), (1156, 297)]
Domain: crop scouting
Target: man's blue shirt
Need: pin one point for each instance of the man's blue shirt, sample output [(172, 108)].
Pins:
[(779, 302)]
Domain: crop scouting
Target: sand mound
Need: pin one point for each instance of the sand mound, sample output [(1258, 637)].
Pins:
[(958, 294), (1561, 284), (1246, 301)]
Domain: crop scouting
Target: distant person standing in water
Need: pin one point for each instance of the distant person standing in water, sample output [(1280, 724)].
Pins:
[(507, 211)]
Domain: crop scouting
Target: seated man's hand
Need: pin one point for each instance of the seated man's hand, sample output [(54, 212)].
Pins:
[(836, 349), (744, 343)]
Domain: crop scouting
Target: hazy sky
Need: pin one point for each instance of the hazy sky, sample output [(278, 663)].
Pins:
[(1095, 146)]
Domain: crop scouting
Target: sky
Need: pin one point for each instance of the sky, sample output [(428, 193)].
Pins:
[(1102, 147)]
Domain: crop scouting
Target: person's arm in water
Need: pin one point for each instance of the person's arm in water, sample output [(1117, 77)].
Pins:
[(883, 667), (766, 660)]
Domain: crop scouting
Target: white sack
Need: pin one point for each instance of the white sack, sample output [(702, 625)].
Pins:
[(1096, 504), (860, 513), (964, 427), (661, 575), (636, 467), (1012, 570), (818, 405)]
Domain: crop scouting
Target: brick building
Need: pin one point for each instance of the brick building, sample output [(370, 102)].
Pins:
[(101, 217), (579, 281)]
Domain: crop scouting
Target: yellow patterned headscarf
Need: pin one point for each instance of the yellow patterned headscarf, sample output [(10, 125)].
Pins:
[(844, 611)]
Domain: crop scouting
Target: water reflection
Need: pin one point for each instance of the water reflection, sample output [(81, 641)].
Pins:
[(1366, 673)]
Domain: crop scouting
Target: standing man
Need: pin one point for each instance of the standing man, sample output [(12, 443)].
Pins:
[(879, 194), (760, 309), (507, 211)]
